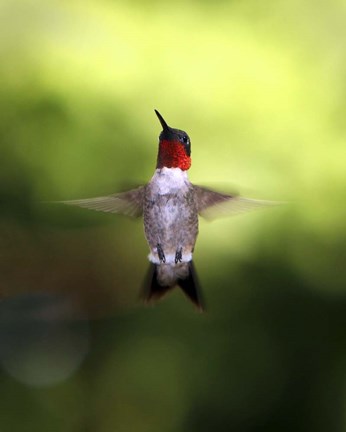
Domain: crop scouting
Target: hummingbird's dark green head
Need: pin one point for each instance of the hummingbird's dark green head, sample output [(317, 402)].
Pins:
[(174, 147)]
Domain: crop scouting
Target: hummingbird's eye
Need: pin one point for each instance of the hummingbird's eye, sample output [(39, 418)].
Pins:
[(185, 139)]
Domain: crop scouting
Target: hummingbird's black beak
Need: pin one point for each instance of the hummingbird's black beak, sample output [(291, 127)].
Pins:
[(164, 125)]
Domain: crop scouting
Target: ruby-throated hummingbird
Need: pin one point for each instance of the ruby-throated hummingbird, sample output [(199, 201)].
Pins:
[(170, 206)]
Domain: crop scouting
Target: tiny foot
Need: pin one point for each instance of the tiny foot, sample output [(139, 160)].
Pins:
[(178, 255), (162, 257)]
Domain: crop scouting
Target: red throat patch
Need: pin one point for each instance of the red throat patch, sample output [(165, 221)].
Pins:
[(173, 155)]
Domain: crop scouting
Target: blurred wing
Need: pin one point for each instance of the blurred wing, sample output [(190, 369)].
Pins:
[(213, 204), (129, 203)]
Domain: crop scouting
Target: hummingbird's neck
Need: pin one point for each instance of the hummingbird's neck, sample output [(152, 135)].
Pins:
[(172, 154)]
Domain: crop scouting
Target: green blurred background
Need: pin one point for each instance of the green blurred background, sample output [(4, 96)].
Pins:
[(260, 87)]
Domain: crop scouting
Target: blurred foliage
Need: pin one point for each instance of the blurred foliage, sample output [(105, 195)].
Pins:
[(260, 88)]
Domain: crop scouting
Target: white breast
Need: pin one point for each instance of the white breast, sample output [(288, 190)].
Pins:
[(169, 180)]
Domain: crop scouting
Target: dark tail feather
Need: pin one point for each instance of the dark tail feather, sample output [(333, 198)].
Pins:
[(191, 287), (152, 289)]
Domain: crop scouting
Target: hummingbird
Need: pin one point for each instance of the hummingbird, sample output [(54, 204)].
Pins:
[(170, 206)]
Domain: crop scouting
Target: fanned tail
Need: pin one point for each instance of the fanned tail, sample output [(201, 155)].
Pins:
[(161, 278)]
